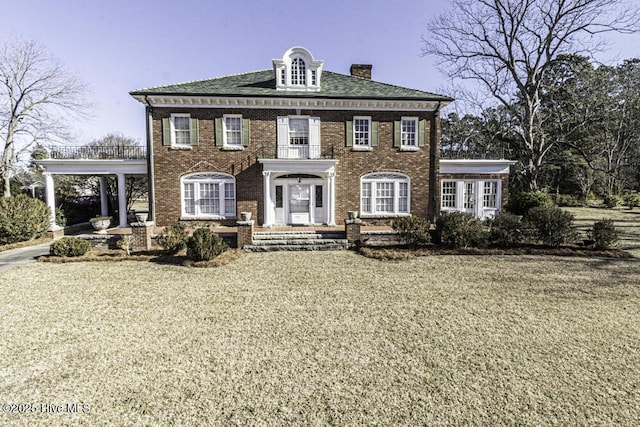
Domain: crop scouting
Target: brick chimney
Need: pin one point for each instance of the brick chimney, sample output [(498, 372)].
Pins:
[(361, 70)]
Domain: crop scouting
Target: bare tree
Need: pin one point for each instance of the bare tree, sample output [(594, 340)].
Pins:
[(507, 46), (37, 100)]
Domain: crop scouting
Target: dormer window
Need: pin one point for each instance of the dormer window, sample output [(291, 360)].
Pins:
[(298, 71)]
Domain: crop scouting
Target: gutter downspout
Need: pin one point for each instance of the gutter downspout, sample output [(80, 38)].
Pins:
[(435, 162), (150, 165)]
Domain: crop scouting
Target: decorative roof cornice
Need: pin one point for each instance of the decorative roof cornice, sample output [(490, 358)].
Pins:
[(185, 101)]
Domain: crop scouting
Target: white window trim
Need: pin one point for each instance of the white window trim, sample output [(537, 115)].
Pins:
[(355, 146), (217, 178), (174, 144), (396, 178), (225, 145), (416, 147)]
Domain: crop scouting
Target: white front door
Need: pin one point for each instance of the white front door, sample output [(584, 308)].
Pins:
[(300, 204)]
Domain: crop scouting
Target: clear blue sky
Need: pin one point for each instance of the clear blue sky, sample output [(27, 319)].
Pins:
[(117, 46)]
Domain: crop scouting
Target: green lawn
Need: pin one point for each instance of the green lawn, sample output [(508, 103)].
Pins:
[(325, 338)]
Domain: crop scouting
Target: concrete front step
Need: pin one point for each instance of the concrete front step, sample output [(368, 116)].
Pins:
[(298, 241), (306, 247)]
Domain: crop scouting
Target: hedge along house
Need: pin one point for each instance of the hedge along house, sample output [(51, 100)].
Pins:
[(296, 144)]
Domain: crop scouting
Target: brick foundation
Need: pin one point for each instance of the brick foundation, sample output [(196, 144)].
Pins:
[(245, 233)]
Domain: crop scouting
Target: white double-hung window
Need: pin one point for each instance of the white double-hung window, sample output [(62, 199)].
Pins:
[(208, 195), (384, 194), (362, 132), (232, 130)]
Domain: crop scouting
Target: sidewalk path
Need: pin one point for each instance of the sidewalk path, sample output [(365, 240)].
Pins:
[(14, 257)]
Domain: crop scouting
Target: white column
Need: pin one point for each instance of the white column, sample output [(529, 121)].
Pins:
[(122, 200), (331, 214), (268, 208), (104, 207), (50, 195)]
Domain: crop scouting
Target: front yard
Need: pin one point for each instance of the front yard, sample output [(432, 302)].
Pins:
[(325, 338)]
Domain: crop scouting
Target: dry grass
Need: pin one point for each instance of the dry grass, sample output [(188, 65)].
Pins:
[(326, 338)]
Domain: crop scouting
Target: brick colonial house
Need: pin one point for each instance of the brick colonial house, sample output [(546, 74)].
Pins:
[(296, 144)]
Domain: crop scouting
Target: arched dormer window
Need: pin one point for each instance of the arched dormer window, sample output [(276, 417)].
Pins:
[(298, 71)]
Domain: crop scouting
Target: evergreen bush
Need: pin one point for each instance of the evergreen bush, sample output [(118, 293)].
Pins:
[(413, 230), (604, 233), (507, 230), (69, 247), (551, 225), (612, 201), (460, 230), (520, 203), (22, 218), (632, 200), (173, 239), (204, 245)]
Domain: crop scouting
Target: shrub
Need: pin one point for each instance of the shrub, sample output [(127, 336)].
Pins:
[(69, 247), (507, 229), (604, 233), (520, 203), (125, 244), (612, 201), (632, 200), (413, 230), (459, 229), (22, 218), (61, 218), (174, 238), (204, 245), (551, 225), (568, 200)]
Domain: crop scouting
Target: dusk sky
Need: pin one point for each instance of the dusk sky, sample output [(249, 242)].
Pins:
[(117, 46)]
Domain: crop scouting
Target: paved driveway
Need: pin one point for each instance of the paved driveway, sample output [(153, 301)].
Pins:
[(15, 257)]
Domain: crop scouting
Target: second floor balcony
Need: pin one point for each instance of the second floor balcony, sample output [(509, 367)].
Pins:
[(297, 152)]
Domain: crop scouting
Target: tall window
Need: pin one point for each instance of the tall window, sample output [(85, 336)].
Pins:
[(449, 194), (490, 194), (384, 194), (362, 131), (298, 72), (208, 195), (181, 129), (233, 130), (299, 131), (409, 132)]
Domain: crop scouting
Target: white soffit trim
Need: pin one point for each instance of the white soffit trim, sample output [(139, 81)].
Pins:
[(482, 167), (285, 165), (94, 167), (169, 101)]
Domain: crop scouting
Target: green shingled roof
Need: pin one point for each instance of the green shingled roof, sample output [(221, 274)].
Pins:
[(263, 84)]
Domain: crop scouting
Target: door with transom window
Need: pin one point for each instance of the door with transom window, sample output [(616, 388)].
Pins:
[(469, 197)]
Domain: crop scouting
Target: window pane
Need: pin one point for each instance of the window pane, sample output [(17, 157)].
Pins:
[(409, 132), (181, 128), (209, 198), (403, 197), (229, 198), (384, 197), (318, 196), (361, 132), (189, 200), (490, 194), (365, 202), (279, 198), (233, 127), (448, 194), (299, 131), (298, 72)]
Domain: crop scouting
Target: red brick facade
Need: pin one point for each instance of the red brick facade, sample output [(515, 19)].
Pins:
[(171, 164)]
